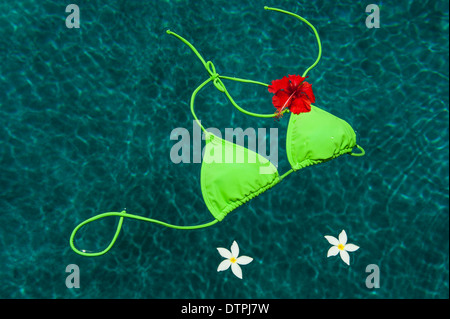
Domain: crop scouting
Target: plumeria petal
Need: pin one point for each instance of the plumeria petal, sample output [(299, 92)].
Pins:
[(224, 265), (351, 247), (345, 257), (236, 270), (244, 260), (235, 249), (225, 253), (332, 240), (343, 237), (333, 251)]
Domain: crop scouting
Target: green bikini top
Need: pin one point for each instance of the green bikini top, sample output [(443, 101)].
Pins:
[(313, 137)]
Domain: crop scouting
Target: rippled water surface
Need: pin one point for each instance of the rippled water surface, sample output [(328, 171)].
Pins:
[(85, 122)]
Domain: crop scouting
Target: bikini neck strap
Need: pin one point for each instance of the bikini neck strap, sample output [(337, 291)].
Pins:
[(216, 79)]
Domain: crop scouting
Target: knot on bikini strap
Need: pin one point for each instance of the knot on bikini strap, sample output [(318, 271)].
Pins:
[(215, 76)]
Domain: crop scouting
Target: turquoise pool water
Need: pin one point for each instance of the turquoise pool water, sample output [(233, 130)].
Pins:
[(85, 120)]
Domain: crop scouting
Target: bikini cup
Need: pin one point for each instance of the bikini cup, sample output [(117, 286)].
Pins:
[(318, 136), (227, 184)]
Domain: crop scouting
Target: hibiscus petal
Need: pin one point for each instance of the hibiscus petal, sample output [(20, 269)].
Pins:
[(333, 251), (345, 257), (332, 240), (295, 80), (280, 99), (306, 88), (224, 265), (236, 270), (343, 237), (234, 249), (281, 84), (300, 105), (225, 253), (351, 247), (244, 260)]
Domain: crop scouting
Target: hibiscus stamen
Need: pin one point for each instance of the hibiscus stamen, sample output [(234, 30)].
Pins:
[(280, 111)]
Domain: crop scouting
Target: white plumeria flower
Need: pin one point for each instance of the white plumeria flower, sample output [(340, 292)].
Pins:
[(340, 246), (233, 260)]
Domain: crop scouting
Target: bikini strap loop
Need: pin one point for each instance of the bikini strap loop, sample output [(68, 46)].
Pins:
[(358, 154), (122, 215), (87, 221)]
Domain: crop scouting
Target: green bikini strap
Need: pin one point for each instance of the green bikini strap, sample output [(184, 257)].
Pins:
[(358, 154), (217, 79), (122, 215), (311, 26)]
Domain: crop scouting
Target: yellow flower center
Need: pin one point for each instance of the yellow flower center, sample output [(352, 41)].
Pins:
[(233, 260), (341, 247)]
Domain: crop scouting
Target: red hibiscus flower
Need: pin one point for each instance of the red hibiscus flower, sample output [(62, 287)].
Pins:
[(292, 93)]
